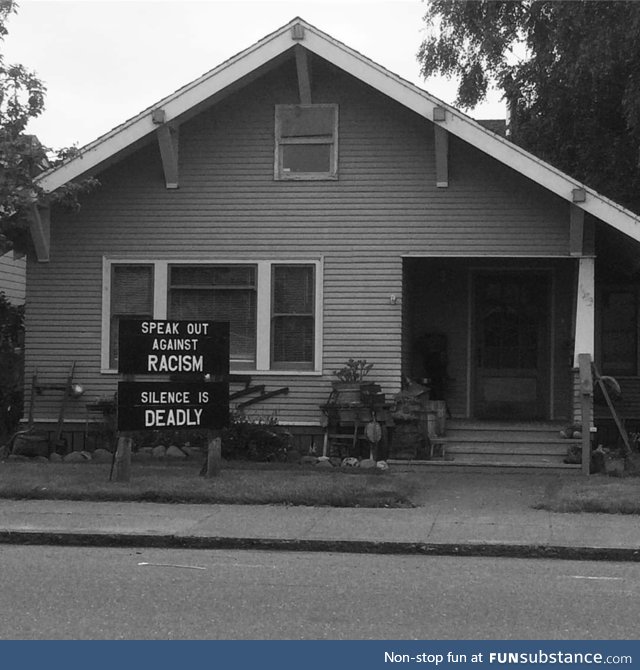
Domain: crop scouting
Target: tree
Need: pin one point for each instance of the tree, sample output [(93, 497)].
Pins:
[(22, 156), (569, 71)]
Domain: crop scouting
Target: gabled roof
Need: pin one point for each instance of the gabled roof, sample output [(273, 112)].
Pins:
[(245, 65)]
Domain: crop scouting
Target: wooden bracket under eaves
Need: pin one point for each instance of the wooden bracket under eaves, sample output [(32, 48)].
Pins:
[(167, 135), (40, 230)]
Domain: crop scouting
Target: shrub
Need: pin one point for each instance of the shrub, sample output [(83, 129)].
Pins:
[(11, 365)]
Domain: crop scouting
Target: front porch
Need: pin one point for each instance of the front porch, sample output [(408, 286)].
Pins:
[(493, 338)]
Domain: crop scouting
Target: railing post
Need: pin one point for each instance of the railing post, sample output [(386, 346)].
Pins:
[(586, 401)]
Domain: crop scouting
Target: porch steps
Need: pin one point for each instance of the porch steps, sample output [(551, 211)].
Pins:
[(504, 444)]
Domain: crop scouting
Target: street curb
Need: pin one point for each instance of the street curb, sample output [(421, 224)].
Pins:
[(124, 540)]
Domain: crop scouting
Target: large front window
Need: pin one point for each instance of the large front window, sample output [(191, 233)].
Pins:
[(272, 307), (218, 293)]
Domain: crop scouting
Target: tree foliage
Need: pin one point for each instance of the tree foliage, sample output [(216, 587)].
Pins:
[(22, 156), (569, 71)]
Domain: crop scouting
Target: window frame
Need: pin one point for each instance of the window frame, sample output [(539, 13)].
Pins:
[(120, 314), (280, 142), (606, 290), (263, 316), (291, 365)]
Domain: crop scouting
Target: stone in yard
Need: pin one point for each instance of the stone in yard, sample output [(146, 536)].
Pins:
[(18, 457), (632, 464), (75, 457), (159, 452), (175, 452), (102, 456), (324, 464), (308, 460), (368, 464), (192, 452), (55, 457), (382, 465), (350, 462), (40, 459)]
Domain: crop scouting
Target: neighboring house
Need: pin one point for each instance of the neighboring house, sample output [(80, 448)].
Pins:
[(329, 209), (12, 277)]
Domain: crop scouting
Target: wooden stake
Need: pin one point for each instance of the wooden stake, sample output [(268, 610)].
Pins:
[(214, 456), (122, 459)]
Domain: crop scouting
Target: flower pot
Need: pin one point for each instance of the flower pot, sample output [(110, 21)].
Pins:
[(346, 393)]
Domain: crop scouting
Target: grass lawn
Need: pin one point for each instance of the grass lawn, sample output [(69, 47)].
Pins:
[(597, 493), (238, 483)]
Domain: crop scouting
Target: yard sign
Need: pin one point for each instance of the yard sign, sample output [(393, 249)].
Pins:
[(190, 350)]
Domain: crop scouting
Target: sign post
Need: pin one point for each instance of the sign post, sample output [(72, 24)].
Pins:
[(196, 354)]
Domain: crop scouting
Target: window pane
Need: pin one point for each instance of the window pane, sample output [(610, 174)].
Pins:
[(293, 289), (131, 297), (131, 289), (293, 340), (237, 275), (306, 158), (218, 293), (297, 121), (293, 323), (619, 333)]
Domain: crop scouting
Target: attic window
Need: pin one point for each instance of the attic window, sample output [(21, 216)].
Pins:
[(306, 142)]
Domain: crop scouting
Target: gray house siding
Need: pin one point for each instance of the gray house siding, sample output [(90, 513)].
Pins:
[(12, 278)]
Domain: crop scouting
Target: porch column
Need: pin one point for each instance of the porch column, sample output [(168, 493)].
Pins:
[(585, 309)]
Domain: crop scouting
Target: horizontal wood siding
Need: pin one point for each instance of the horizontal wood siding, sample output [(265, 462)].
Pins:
[(12, 278), (384, 205)]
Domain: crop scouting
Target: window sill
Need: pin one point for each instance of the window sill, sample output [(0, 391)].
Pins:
[(305, 176), (242, 371)]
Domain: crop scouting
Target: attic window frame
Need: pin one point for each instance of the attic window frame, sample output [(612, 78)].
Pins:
[(328, 140)]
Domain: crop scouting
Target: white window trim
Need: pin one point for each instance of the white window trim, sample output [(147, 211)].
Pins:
[(263, 314)]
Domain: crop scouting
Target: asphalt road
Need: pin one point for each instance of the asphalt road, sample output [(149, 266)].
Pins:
[(91, 593)]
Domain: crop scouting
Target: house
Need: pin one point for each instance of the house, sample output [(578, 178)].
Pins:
[(329, 209)]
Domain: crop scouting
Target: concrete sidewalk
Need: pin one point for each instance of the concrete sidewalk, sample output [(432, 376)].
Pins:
[(462, 513)]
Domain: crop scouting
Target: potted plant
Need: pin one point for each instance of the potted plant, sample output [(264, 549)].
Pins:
[(349, 382)]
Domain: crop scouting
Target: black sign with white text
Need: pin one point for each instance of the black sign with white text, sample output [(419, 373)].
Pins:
[(173, 405), (149, 347)]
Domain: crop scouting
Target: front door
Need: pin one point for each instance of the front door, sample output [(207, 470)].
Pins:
[(511, 345)]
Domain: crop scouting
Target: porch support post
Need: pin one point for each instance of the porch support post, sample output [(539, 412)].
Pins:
[(585, 309), (304, 75), (586, 404)]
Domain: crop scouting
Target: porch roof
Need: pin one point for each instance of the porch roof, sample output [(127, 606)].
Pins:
[(269, 52)]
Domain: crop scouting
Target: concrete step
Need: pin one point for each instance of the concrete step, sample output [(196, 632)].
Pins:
[(522, 444), (516, 449), (486, 461)]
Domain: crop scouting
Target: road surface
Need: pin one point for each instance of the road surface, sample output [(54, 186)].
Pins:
[(97, 593)]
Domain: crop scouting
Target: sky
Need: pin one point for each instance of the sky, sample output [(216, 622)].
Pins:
[(104, 61)]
